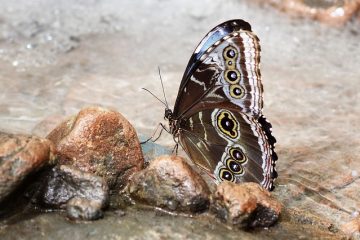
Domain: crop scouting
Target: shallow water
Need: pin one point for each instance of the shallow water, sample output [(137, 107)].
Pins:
[(59, 56)]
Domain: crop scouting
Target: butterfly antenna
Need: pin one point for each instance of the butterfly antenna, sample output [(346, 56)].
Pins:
[(162, 85), (155, 96)]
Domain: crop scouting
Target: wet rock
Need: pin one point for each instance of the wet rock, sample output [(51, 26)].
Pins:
[(334, 12), (99, 141), (245, 205), (20, 156), (352, 228), (67, 182), (83, 209), (170, 183)]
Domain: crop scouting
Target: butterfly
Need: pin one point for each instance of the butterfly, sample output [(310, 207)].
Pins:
[(217, 117)]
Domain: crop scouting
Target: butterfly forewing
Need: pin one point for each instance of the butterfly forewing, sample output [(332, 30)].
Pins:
[(228, 74), (214, 35)]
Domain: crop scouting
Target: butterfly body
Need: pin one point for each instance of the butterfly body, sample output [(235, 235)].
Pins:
[(217, 117)]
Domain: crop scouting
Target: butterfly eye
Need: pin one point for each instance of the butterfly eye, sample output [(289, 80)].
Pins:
[(232, 76), (226, 175), (236, 91), (234, 166)]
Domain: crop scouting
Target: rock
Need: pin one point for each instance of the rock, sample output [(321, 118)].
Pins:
[(20, 156), (67, 182), (352, 228), (336, 12), (99, 141), (245, 205), (83, 209), (170, 183)]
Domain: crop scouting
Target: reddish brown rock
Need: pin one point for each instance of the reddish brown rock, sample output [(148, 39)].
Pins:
[(245, 205), (352, 228), (99, 141), (170, 183), (334, 12), (21, 155)]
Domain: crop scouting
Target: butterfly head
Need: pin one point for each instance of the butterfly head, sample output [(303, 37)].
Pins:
[(168, 114), (173, 123)]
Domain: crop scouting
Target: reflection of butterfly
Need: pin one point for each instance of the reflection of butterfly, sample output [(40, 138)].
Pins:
[(217, 115)]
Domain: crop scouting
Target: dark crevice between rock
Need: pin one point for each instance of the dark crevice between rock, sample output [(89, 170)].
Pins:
[(262, 217), (18, 206), (118, 182), (199, 204)]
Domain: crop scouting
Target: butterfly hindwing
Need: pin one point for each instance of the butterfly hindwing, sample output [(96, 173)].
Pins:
[(222, 141)]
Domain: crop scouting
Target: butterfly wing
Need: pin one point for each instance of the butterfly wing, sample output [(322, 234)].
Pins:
[(225, 73), (230, 146), (222, 85), (214, 35)]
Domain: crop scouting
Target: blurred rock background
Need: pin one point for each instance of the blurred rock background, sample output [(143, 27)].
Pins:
[(57, 57)]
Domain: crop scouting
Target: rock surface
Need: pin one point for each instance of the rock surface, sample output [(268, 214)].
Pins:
[(20, 156), (352, 228), (99, 141), (145, 224), (170, 183), (245, 205), (334, 12), (67, 182), (83, 209)]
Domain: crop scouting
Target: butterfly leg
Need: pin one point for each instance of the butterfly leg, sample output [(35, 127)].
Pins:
[(176, 147), (163, 127)]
